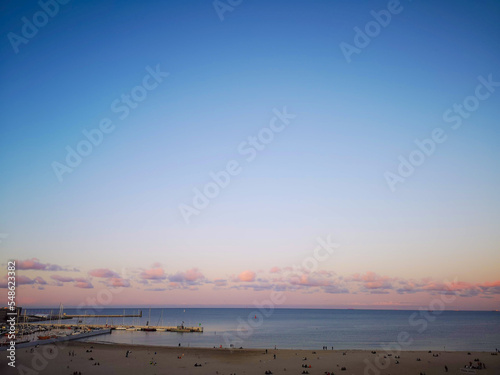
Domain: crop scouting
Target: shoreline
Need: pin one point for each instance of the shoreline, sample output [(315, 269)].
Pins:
[(105, 358), (375, 348)]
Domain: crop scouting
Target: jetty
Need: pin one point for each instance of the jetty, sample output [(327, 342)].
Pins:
[(66, 316), (60, 339), (147, 328)]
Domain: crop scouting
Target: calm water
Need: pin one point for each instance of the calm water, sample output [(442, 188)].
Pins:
[(309, 329)]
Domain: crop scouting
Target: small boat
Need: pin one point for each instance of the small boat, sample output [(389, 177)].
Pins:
[(149, 329), (121, 328)]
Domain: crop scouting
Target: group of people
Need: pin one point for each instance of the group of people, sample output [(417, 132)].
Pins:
[(478, 366)]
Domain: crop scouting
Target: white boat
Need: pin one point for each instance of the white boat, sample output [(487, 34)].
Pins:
[(121, 328)]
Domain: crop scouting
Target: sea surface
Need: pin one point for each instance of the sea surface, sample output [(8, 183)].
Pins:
[(305, 328)]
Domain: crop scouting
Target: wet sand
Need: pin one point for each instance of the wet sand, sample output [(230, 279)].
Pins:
[(145, 360)]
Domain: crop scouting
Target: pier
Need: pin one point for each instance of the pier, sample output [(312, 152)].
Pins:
[(65, 316), (59, 339), (181, 328)]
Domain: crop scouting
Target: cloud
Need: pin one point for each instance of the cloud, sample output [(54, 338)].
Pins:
[(103, 272), (20, 280), (40, 280), (23, 280), (308, 280), (153, 274), (155, 289), (220, 282), (62, 279), (318, 281), (335, 289), (275, 270), (35, 264), (371, 281), (254, 286), (83, 283), (246, 276), (192, 276), (118, 282), (490, 287)]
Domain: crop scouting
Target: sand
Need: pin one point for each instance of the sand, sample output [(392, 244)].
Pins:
[(112, 360)]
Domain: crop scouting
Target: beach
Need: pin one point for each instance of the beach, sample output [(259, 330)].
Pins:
[(95, 358)]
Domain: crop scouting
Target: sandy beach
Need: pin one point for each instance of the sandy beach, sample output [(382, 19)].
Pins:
[(145, 360)]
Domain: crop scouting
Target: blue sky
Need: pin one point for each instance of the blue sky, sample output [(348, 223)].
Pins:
[(322, 175)]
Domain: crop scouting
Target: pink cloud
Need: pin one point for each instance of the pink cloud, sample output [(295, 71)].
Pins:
[(247, 276), (275, 270), (84, 284), (20, 280), (62, 279), (40, 280), (153, 274), (118, 282), (190, 276), (490, 287), (308, 280), (103, 272), (371, 280), (34, 264), (493, 284), (23, 280)]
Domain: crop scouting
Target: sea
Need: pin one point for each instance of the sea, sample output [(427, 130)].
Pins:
[(282, 328)]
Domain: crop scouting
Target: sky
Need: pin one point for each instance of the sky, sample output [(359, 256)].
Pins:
[(212, 153)]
